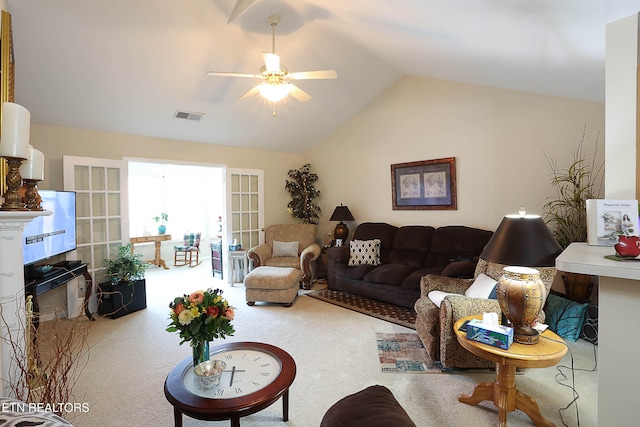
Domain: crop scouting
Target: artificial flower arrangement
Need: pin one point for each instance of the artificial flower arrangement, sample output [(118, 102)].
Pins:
[(201, 316)]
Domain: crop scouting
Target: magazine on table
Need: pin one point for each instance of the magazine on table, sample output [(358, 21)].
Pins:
[(608, 219)]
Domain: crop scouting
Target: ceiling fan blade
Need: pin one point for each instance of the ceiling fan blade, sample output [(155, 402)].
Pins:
[(299, 94), (241, 6), (321, 74), (271, 62), (230, 74), (253, 91)]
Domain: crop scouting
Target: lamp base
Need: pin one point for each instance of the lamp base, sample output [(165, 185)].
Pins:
[(520, 293), (341, 232), (526, 335)]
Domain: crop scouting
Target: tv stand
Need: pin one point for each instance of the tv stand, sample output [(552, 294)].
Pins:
[(65, 272)]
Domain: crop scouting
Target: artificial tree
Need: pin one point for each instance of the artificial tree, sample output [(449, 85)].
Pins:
[(303, 193), (566, 212)]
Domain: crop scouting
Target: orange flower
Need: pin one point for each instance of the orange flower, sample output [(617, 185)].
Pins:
[(212, 311), (229, 313), (178, 308), (196, 297)]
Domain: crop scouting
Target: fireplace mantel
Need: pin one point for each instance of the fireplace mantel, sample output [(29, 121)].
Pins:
[(12, 288)]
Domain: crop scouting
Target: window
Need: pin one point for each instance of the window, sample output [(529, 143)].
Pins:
[(192, 196)]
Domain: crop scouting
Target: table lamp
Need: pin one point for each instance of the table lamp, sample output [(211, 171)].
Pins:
[(341, 213), (522, 241)]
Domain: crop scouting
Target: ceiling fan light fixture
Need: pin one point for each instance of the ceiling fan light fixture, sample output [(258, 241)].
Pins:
[(275, 92)]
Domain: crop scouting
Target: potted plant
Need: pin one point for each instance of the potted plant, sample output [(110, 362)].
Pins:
[(161, 219), (125, 292), (566, 212)]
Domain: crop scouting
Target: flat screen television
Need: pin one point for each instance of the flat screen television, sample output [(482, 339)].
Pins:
[(51, 235)]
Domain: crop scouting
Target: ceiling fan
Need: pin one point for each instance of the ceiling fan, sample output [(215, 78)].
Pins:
[(276, 79)]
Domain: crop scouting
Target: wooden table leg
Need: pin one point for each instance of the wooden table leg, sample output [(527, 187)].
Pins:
[(235, 422), (285, 406), (507, 399), (529, 406), (177, 417), (482, 392), (158, 259)]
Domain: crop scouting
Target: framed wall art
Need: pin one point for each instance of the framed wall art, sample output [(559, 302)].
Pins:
[(424, 185)]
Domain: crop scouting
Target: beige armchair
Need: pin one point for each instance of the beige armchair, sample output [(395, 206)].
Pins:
[(435, 325), (280, 250)]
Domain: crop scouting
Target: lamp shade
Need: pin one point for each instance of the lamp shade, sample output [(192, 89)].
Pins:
[(523, 240), (341, 213)]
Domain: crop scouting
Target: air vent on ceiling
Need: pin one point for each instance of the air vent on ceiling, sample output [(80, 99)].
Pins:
[(187, 115)]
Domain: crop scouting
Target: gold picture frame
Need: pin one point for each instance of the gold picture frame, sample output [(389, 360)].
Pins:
[(7, 78)]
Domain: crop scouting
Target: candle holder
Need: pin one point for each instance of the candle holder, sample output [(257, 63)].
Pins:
[(14, 181), (31, 197)]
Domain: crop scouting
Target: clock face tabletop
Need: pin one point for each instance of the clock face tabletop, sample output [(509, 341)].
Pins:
[(256, 376)]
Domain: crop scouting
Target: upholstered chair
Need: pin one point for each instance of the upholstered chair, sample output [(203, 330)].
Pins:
[(435, 325), (289, 245)]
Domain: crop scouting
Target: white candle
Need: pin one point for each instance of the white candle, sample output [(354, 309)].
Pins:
[(16, 123), (33, 168)]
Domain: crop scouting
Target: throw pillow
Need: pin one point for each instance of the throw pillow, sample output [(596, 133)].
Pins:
[(288, 249), (482, 287), (436, 297), (564, 317), (364, 252)]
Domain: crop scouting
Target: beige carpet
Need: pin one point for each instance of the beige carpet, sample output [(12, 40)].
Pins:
[(336, 355)]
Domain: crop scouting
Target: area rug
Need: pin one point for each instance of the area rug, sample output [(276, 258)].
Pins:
[(404, 352), (381, 310)]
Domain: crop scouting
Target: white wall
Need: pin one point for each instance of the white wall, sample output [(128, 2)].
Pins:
[(497, 137)]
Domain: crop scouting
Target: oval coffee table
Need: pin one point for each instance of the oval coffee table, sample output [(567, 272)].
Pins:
[(502, 392), (256, 376)]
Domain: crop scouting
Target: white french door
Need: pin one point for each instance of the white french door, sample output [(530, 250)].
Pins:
[(244, 207), (102, 219)]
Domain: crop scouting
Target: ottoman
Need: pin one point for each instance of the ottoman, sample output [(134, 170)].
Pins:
[(272, 284), (375, 406)]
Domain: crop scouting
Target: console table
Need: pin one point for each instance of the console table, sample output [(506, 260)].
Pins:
[(157, 239)]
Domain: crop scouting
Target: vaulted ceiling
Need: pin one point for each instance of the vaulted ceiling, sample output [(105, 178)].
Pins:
[(127, 66)]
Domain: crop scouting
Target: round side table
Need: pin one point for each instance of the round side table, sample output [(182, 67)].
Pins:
[(502, 392)]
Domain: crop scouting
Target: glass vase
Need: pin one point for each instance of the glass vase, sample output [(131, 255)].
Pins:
[(200, 352)]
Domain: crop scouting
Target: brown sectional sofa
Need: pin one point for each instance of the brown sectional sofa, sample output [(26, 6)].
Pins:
[(407, 254)]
